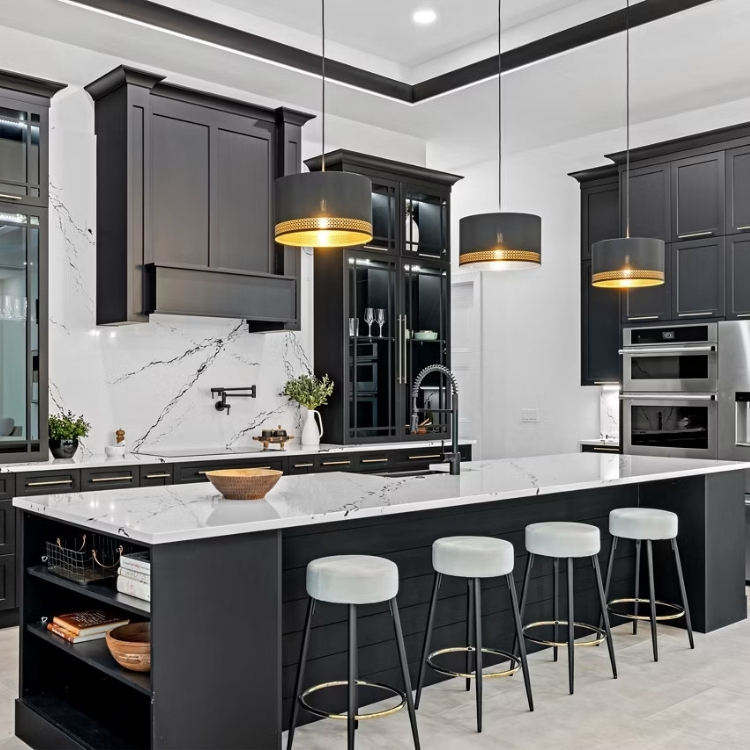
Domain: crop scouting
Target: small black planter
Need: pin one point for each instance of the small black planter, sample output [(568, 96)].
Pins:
[(63, 448)]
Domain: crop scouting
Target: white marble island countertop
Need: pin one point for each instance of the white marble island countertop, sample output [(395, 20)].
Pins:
[(175, 513)]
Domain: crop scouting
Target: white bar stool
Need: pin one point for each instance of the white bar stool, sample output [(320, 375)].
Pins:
[(352, 580), (649, 525), (565, 540), (474, 558)]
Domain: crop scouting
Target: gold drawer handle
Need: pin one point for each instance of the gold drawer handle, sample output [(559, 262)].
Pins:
[(422, 458), (8, 197), (336, 463), (128, 478), (303, 466), (49, 483), (607, 450), (158, 476), (247, 467), (374, 460)]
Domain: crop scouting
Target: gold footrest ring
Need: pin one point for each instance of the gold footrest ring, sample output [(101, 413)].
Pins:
[(514, 660), (599, 635), (675, 610), (344, 683)]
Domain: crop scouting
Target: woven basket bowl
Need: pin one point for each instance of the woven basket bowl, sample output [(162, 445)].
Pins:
[(130, 646), (244, 484)]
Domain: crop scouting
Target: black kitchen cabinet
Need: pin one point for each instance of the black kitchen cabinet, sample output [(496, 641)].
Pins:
[(600, 214), (109, 479), (600, 331), (7, 582), (738, 190), (698, 197), (156, 475), (698, 278), (335, 462), (738, 276), (7, 527), (651, 303), (585, 448), (426, 222), (185, 473), (386, 233), (7, 486), (48, 482), (184, 218), (650, 202)]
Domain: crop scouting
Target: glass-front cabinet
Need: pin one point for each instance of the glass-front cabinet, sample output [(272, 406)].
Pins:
[(425, 222), (23, 177), (23, 393)]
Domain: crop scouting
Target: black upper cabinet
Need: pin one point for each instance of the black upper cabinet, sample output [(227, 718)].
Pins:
[(738, 276), (738, 190), (698, 197), (649, 202), (184, 219), (600, 214), (651, 303), (425, 222), (600, 331), (698, 278)]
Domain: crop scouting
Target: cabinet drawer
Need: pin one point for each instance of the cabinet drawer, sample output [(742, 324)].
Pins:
[(156, 475), (7, 527), (373, 461), (7, 582), (417, 458), (600, 449), (335, 462), (7, 486), (197, 472), (103, 479), (301, 465), (48, 483)]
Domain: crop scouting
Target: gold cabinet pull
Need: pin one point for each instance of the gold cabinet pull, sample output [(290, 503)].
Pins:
[(158, 476), (336, 463), (113, 479), (374, 460), (50, 482), (423, 458), (303, 466), (8, 197), (607, 450)]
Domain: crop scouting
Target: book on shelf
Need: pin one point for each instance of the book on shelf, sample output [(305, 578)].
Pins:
[(131, 587), (90, 622), (134, 574), (138, 561), (70, 636)]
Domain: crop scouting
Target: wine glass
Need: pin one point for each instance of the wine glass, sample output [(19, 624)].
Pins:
[(369, 319), (380, 319)]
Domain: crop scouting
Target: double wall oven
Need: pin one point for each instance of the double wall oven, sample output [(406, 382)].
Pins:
[(670, 384)]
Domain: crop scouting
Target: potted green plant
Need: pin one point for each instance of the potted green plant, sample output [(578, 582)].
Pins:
[(310, 392), (65, 429)]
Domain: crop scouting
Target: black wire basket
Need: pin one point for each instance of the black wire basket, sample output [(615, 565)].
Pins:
[(83, 560)]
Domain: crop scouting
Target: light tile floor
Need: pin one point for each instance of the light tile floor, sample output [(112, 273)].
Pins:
[(688, 700)]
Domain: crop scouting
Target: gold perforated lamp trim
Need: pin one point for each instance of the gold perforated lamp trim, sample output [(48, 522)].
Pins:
[(627, 262), (323, 232), (500, 255), (627, 279)]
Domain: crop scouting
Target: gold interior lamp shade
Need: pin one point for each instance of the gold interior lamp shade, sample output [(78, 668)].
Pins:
[(500, 241), (323, 209), (627, 263)]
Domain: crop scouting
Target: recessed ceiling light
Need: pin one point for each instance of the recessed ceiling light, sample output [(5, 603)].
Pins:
[(424, 16)]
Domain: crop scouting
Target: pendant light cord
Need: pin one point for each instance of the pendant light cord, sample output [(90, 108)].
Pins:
[(627, 118), (499, 106), (323, 80)]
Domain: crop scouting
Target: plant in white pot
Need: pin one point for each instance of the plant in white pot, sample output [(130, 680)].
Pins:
[(310, 392)]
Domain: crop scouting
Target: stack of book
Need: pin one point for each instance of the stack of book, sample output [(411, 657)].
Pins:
[(134, 575), (79, 627)]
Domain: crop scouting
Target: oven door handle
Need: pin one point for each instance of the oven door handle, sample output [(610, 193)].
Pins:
[(659, 350), (669, 396)]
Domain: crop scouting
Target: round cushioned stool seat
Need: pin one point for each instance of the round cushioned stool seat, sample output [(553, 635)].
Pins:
[(472, 556), (643, 523), (562, 539), (352, 579)]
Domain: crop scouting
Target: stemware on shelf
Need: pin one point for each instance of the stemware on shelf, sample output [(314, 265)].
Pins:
[(369, 319), (353, 327), (380, 319)]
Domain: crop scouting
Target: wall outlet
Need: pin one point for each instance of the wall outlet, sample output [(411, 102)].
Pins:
[(529, 415)]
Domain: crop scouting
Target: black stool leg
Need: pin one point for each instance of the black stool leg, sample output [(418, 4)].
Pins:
[(478, 646), (427, 638), (608, 581), (637, 582), (519, 635), (524, 594), (652, 596), (300, 674), (571, 628), (555, 601), (352, 712), (405, 672), (605, 615), (469, 628), (683, 593)]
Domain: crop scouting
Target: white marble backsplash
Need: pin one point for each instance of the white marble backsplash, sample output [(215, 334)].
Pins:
[(153, 380), (609, 413)]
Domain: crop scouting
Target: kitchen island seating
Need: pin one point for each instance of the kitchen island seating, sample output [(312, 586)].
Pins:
[(474, 558), (566, 540), (352, 580), (649, 525)]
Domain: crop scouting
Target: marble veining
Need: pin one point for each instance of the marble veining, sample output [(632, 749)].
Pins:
[(609, 414), (181, 512)]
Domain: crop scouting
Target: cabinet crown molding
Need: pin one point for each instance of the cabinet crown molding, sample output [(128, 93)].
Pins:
[(121, 76), (39, 87)]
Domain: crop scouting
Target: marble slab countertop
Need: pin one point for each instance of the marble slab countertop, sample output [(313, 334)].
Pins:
[(197, 455), (157, 515)]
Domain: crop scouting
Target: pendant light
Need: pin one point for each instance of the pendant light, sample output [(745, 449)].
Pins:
[(500, 241), (627, 262), (323, 209)]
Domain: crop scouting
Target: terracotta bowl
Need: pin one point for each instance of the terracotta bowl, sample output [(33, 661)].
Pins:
[(130, 646), (244, 484)]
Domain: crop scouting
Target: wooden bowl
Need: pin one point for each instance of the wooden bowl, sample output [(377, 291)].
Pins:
[(130, 646), (244, 484)]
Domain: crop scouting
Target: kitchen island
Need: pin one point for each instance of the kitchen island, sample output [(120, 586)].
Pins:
[(228, 585)]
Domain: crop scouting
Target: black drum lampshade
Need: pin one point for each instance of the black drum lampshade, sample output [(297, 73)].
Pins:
[(323, 209), (627, 262), (500, 241)]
